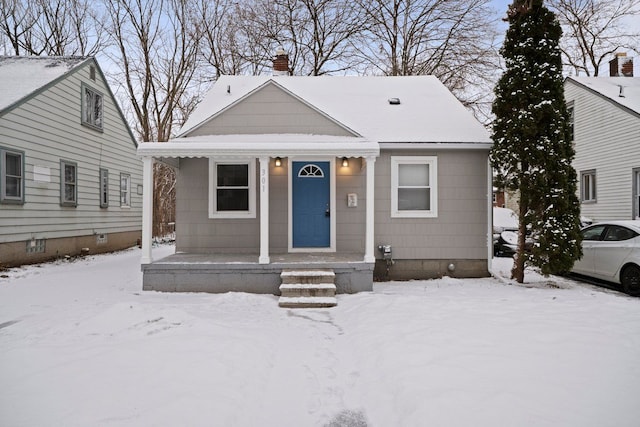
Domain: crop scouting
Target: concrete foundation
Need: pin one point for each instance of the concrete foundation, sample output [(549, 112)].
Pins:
[(16, 253), (216, 274), (420, 269)]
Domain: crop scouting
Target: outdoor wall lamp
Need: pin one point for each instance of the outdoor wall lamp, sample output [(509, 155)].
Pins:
[(345, 162), (278, 162)]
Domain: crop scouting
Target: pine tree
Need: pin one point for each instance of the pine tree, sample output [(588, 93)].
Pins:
[(532, 150)]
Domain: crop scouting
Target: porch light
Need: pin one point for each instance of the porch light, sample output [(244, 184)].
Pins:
[(345, 162), (278, 162)]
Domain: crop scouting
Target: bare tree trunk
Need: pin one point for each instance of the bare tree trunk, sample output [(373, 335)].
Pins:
[(158, 47)]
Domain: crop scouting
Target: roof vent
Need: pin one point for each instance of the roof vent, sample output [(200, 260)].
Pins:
[(621, 94), (394, 101)]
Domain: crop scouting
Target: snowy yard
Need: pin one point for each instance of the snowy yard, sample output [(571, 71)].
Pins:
[(82, 345)]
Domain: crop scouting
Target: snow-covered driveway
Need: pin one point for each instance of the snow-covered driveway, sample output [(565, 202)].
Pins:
[(82, 345)]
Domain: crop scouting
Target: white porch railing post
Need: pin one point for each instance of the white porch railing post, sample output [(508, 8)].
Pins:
[(264, 210), (147, 209), (370, 192)]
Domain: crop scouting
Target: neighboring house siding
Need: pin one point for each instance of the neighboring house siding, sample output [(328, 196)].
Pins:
[(270, 110), (48, 129), (607, 140), (460, 229)]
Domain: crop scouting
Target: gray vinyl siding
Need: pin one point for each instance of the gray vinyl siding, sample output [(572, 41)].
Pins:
[(607, 140), (460, 229), (270, 110), (47, 127), (197, 233)]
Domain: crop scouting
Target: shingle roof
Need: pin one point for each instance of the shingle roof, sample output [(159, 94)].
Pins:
[(21, 76), (609, 87), (427, 111)]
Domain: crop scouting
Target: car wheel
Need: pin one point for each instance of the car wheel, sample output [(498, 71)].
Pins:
[(630, 279)]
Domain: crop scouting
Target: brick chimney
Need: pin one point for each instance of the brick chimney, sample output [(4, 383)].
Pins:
[(281, 63), (621, 66)]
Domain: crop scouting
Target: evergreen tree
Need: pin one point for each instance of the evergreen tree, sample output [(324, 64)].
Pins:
[(532, 150)]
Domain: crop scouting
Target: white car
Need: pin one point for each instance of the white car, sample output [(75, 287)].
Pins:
[(611, 252)]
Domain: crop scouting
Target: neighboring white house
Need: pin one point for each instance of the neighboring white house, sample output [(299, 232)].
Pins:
[(384, 176), (606, 131), (70, 180)]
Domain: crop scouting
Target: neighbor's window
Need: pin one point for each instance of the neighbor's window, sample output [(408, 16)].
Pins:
[(125, 190), (414, 186), (92, 112), (232, 189), (104, 188), (588, 186), (12, 176), (571, 111), (68, 183)]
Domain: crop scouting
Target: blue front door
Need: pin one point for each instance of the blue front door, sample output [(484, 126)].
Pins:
[(310, 204)]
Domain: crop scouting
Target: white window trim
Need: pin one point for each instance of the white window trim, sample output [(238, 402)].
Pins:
[(127, 202), (64, 202), (251, 212), (94, 94), (4, 198), (432, 161), (104, 189), (592, 197)]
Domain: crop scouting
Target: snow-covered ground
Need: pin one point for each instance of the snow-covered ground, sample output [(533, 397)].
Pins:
[(82, 345)]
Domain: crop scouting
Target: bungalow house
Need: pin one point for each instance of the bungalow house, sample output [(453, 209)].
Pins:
[(350, 177), (70, 179), (605, 115)]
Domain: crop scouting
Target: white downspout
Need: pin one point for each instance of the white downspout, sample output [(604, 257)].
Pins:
[(370, 209)]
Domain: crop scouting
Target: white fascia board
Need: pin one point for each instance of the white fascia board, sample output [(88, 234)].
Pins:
[(436, 145), (258, 149)]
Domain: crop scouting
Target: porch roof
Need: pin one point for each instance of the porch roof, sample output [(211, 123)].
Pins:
[(282, 145)]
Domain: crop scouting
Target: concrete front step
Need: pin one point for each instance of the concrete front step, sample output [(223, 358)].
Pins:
[(320, 275), (307, 302), (308, 290)]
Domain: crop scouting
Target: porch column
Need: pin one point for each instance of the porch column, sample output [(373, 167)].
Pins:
[(264, 211), (147, 209), (370, 193)]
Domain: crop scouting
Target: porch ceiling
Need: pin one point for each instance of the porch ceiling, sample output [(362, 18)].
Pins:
[(282, 145)]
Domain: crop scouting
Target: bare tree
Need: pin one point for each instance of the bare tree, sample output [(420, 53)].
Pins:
[(222, 42), (51, 27), (455, 40), (594, 30), (157, 43), (318, 35)]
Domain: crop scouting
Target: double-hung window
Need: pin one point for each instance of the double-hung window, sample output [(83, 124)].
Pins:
[(414, 186), (588, 185), (125, 190), (571, 113), (232, 189), (68, 183), (92, 111), (104, 188), (12, 176)]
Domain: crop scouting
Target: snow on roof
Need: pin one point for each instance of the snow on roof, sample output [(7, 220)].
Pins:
[(609, 87), (261, 144), (20, 76), (427, 111)]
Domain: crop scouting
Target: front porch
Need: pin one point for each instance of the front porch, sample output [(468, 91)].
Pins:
[(218, 273)]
